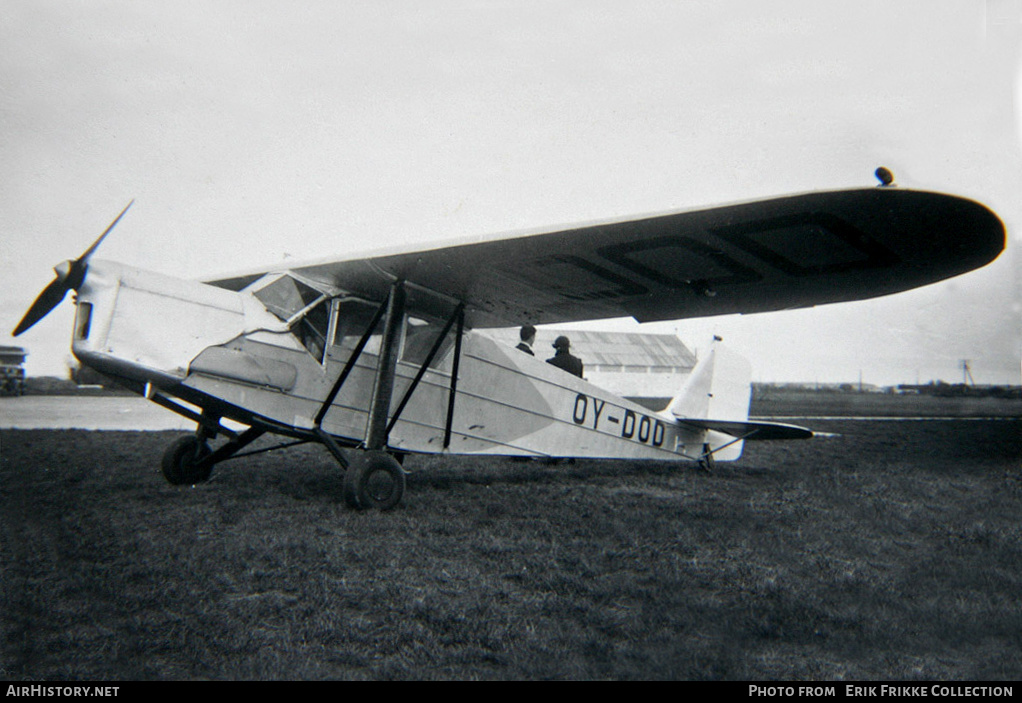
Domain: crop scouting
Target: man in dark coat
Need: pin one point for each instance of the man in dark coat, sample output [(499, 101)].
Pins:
[(563, 358), (528, 337)]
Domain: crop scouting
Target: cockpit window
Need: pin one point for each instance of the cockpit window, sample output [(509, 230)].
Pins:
[(304, 307), (287, 296)]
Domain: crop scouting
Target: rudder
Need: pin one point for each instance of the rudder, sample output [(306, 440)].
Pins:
[(719, 388)]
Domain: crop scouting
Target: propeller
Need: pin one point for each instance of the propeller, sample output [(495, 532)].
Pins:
[(70, 275)]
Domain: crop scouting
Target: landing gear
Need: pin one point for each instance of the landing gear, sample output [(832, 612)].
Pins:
[(182, 462), (374, 479), (707, 462)]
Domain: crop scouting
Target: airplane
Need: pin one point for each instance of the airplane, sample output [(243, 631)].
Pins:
[(381, 356)]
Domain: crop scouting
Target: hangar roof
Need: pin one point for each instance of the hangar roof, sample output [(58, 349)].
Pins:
[(631, 350), (12, 355)]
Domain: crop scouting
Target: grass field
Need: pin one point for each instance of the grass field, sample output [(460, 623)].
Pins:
[(803, 403), (890, 551)]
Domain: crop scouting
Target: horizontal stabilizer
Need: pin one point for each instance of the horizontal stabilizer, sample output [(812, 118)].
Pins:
[(748, 429)]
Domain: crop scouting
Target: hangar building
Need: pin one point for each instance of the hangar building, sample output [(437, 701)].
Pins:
[(632, 365)]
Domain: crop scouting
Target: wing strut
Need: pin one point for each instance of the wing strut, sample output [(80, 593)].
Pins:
[(323, 435), (454, 376), (355, 354), (383, 389), (380, 421), (457, 316), (706, 459)]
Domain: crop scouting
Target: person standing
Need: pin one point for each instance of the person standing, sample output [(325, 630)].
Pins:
[(528, 337), (563, 358)]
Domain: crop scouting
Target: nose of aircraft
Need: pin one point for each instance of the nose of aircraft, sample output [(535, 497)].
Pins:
[(70, 275)]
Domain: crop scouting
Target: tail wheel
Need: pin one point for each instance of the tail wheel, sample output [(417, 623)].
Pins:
[(707, 463), (180, 461), (374, 480)]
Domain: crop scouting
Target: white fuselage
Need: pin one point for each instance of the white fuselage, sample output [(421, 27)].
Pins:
[(203, 343)]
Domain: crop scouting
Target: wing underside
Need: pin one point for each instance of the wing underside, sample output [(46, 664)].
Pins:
[(785, 253)]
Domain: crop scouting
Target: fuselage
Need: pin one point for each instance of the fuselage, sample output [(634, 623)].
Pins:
[(269, 356)]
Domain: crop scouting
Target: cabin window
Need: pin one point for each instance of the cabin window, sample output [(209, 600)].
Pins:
[(353, 318), (311, 329), (287, 296), (420, 336)]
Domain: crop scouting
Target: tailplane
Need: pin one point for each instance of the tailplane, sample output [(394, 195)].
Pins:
[(716, 397)]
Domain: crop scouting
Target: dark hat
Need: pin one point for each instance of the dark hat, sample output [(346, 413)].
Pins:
[(562, 342)]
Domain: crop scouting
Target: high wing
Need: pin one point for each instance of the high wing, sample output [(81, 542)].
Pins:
[(790, 252)]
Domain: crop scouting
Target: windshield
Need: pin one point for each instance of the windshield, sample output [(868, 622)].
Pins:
[(287, 296)]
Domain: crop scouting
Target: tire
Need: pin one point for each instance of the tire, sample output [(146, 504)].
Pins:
[(374, 480), (179, 461), (708, 462)]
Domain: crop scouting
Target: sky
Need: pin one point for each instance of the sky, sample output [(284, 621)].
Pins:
[(253, 132)]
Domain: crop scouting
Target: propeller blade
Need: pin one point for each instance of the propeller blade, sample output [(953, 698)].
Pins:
[(70, 274), (95, 244), (47, 300)]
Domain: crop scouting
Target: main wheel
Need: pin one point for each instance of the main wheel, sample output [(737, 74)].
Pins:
[(181, 458), (374, 480)]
